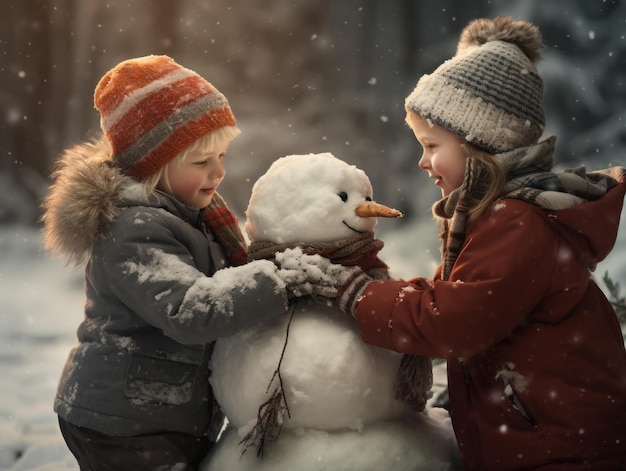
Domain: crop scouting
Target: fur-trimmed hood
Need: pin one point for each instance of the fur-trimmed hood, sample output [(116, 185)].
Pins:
[(84, 197)]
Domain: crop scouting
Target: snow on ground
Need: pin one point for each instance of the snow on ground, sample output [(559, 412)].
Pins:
[(41, 306)]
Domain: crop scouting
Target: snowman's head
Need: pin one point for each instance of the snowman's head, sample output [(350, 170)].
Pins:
[(310, 198)]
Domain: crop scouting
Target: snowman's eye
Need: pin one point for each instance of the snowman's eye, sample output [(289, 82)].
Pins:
[(368, 198), (343, 195)]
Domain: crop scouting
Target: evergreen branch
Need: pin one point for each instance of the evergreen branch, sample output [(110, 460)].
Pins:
[(618, 302)]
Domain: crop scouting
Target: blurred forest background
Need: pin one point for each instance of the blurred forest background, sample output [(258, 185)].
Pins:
[(301, 76)]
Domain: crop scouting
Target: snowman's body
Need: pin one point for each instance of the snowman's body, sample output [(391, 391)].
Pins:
[(330, 375), (340, 391)]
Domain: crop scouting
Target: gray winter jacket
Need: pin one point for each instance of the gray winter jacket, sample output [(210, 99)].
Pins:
[(155, 302)]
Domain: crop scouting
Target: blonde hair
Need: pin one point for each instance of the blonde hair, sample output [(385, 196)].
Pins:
[(206, 143)]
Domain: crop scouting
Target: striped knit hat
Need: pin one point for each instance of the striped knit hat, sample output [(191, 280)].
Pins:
[(151, 108), (490, 92)]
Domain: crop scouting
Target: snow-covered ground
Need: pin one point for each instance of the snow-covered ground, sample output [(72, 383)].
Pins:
[(40, 308)]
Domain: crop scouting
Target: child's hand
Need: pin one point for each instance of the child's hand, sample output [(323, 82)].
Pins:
[(306, 274), (315, 275)]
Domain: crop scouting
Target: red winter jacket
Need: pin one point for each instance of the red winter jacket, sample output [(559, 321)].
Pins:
[(536, 359)]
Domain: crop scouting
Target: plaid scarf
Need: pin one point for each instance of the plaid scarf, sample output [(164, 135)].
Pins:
[(361, 250), (529, 178), (224, 226)]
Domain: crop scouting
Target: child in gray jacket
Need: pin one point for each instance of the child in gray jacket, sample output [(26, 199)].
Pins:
[(139, 207)]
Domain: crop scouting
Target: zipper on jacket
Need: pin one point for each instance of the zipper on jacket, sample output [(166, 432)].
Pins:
[(512, 396)]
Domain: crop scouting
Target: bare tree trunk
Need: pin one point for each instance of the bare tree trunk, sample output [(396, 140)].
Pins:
[(25, 30)]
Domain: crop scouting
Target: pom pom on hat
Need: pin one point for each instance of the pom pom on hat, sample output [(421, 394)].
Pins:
[(490, 92), (151, 108), (524, 35)]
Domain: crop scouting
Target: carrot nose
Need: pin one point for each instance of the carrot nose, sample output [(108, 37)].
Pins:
[(371, 209)]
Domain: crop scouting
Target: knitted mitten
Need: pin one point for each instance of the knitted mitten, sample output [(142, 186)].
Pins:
[(314, 275), (349, 291)]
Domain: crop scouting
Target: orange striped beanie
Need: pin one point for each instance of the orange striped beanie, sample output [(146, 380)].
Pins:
[(151, 108)]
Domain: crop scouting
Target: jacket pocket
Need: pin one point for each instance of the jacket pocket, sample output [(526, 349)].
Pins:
[(159, 381), (513, 396)]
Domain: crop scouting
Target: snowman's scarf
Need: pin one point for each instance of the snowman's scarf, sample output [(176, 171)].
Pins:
[(415, 378), (361, 250)]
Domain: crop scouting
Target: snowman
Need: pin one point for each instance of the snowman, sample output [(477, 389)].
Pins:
[(305, 393)]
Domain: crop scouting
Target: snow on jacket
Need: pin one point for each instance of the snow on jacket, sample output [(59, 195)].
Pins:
[(536, 359), (155, 303)]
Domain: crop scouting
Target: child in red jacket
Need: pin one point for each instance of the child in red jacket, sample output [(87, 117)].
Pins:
[(536, 358)]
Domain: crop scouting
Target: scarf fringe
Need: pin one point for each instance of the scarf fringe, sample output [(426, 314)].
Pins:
[(415, 381)]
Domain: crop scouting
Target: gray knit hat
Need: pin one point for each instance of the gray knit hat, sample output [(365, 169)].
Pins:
[(490, 92)]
